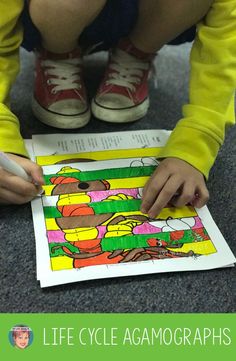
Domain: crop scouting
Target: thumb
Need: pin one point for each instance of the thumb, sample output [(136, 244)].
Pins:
[(37, 175), (35, 171)]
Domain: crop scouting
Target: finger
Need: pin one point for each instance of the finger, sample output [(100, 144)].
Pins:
[(152, 189), (186, 195), (36, 173), (17, 185), (156, 179), (202, 197), (31, 168), (9, 197), (167, 192)]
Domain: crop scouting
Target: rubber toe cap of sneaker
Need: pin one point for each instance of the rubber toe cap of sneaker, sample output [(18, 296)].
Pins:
[(68, 107), (114, 101)]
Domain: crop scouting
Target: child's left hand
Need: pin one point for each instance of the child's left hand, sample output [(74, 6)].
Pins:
[(174, 181)]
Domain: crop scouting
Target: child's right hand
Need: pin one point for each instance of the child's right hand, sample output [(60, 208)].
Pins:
[(15, 190)]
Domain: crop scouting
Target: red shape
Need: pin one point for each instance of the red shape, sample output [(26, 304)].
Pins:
[(75, 210)]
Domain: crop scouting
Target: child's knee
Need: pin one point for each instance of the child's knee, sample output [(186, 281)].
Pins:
[(42, 10), (55, 7)]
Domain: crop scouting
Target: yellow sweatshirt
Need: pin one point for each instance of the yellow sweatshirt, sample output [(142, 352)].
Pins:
[(198, 136)]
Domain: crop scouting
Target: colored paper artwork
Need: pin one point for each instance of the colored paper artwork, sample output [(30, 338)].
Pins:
[(93, 226)]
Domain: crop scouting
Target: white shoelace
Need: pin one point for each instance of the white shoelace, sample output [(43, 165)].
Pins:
[(128, 70), (65, 73)]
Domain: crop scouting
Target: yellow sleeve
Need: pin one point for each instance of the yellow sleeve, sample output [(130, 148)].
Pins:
[(10, 40), (198, 136)]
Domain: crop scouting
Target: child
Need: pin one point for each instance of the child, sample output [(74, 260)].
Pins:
[(141, 30), (21, 336)]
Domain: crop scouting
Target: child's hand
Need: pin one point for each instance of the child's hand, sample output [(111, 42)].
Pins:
[(174, 181), (15, 190)]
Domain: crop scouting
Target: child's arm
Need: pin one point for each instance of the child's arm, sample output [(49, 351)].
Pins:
[(198, 136), (12, 189), (10, 40)]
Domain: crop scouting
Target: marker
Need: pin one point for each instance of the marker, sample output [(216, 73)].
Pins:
[(12, 167)]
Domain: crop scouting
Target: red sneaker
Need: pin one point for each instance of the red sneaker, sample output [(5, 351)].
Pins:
[(60, 98), (123, 94)]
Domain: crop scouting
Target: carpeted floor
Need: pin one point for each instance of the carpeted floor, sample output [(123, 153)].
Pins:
[(208, 291)]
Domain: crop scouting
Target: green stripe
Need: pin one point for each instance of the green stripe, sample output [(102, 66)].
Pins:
[(51, 212), (128, 242), (116, 206), (59, 251), (112, 173), (137, 241), (101, 207)]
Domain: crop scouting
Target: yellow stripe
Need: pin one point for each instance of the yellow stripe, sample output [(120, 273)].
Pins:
[(135, 182), (100, 155), (61, 262), (204, 248), (51, 224), (165, 213), (48, 190)]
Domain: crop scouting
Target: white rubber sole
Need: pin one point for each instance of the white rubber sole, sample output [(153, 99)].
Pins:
[(127, 115), (60, 121)]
